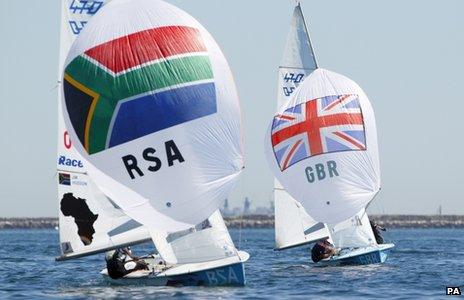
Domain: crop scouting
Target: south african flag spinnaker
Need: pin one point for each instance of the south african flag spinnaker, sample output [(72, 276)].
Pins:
[(155, 78), (151, 106)]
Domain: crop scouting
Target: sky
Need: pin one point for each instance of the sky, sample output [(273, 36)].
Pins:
[(406, 55)]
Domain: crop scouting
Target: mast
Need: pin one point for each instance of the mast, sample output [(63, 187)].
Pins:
[(307, 32)]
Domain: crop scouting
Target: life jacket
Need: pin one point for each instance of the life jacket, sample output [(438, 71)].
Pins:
[(115, 265)]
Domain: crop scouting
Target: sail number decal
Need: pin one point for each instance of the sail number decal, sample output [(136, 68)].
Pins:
[(85, 7), (79, 13), (294, 78)]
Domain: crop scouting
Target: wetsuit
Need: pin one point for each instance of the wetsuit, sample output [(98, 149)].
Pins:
[(376, 231), (119, 265)]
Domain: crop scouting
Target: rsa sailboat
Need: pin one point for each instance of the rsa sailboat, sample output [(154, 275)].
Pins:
[(149, 141), (324, 151)]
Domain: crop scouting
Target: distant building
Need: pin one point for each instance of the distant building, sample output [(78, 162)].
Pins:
[(261, 210), (225, 209), (247, 206), (237, 211)]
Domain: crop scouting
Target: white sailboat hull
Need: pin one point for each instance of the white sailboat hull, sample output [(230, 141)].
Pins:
[(222, 272), (359, 256)]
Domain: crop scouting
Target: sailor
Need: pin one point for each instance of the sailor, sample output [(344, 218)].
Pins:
[(376, 228), (323, 249), (121, 262)]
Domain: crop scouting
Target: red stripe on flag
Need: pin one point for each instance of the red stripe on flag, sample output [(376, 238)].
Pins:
[(285, 117), (290, 154), (350, 139), (340, 100), (141, 47)]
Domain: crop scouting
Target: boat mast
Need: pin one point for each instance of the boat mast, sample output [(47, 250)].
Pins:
[(298, 4)]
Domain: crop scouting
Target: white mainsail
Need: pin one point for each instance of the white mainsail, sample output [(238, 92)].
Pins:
[(106, 226), (293, 226)]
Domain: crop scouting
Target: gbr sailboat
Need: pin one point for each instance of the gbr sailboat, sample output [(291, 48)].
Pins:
[(172, 148), (292, 140)]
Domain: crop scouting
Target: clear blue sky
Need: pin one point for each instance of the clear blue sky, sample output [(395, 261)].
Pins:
[(407, 56)]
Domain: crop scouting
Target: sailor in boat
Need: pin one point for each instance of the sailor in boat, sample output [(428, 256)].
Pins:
[(121, 262), (376, 228), (322, 250)]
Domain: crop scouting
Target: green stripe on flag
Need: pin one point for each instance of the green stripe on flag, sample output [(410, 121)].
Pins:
[(112, 89)]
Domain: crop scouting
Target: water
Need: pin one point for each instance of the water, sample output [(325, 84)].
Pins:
[(424, 262)]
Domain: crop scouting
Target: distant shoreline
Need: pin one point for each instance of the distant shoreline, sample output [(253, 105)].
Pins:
[(267, 221)]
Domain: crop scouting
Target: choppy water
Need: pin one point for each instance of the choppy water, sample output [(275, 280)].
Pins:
[(423, 263)]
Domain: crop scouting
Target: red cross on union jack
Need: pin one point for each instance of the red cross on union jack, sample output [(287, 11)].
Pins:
[(323, 125)]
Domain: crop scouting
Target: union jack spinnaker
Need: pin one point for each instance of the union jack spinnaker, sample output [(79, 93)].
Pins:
[(322, 147)]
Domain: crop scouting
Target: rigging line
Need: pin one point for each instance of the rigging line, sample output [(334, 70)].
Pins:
[(55, 86), (241, 216)]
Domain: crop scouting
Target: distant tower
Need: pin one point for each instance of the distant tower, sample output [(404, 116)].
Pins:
[(225, 208), (271, 207), (439, 210), (246, 206)]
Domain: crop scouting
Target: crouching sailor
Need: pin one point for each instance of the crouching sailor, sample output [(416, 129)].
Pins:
[(121, 262), (322, 250)]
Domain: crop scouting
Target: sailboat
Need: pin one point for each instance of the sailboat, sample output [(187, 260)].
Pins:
[(298, 223), (164, 171)]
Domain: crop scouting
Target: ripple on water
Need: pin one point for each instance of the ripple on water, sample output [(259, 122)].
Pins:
[(417, 267)]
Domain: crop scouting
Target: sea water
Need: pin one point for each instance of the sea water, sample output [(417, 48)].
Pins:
[(423, 264)]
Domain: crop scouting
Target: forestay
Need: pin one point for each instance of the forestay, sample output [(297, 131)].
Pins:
[(293, 226), (150, 103), (88, 221), (322, 147)]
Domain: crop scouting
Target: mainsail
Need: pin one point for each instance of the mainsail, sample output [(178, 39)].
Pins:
[(293, 226), (89, 222)]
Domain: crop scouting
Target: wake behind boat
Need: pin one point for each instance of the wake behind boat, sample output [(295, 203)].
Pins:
[(149, 145), (322, 146)]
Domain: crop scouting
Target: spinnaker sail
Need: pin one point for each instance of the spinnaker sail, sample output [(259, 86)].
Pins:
[(151, 105), (322, 147)]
